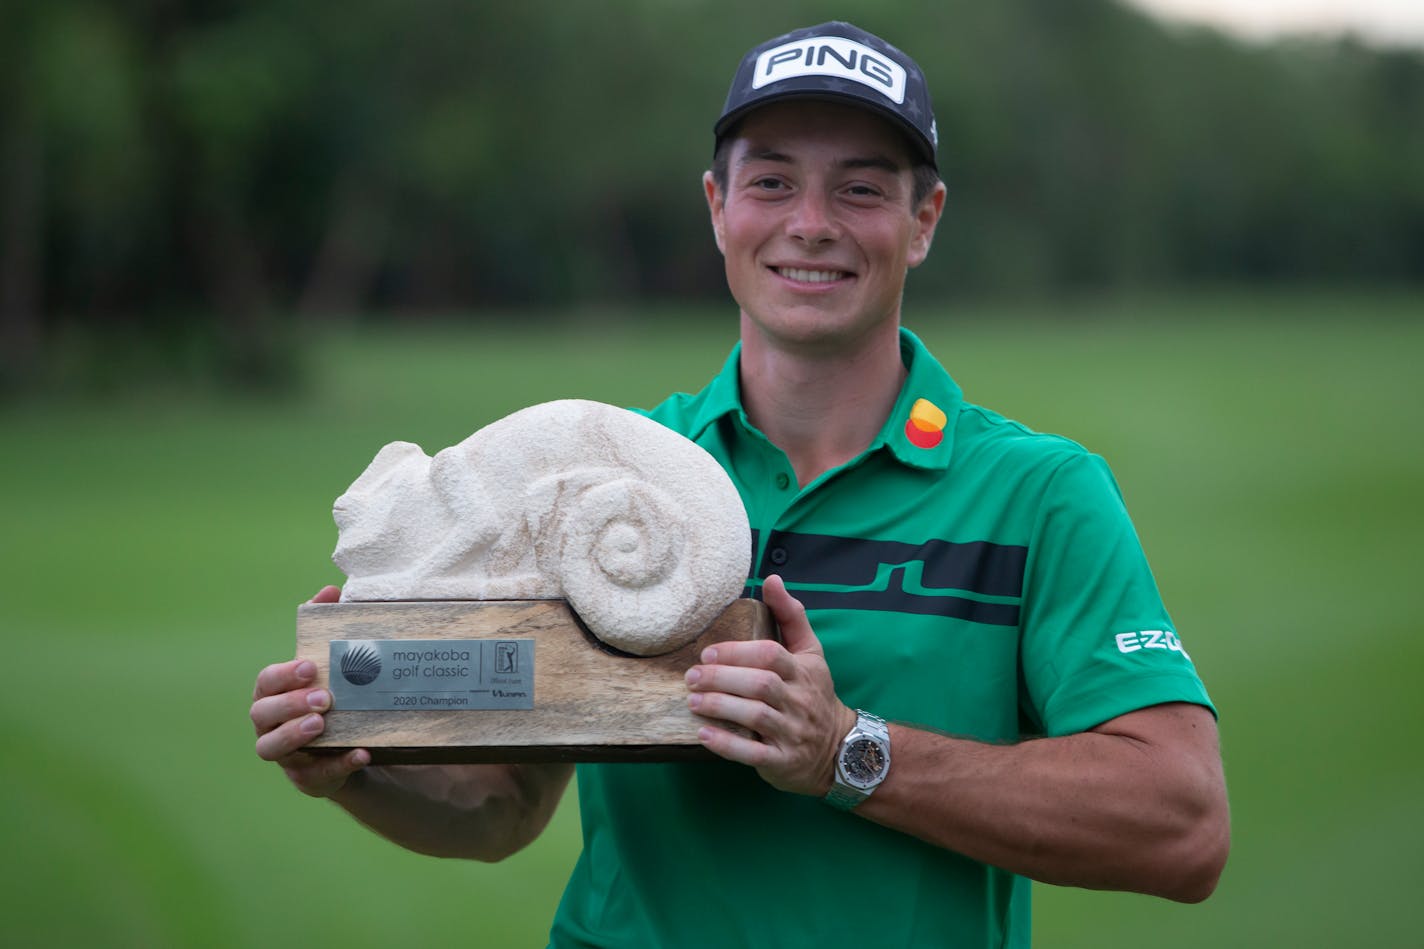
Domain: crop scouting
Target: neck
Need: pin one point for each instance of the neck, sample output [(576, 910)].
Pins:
[(822, 407)]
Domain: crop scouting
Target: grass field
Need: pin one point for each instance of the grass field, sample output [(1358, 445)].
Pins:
[(153, 550)]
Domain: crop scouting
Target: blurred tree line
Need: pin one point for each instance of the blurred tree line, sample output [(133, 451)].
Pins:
[(193, 172)]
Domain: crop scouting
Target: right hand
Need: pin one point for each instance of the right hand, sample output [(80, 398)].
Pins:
[(287, 713)]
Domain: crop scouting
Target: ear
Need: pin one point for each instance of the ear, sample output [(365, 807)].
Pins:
[(454, 482), (716, 204), (926, 219)]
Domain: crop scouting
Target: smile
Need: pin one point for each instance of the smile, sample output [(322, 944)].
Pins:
[(810, 276)]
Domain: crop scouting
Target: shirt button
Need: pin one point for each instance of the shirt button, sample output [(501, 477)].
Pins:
[(778, 555), (782, 480)]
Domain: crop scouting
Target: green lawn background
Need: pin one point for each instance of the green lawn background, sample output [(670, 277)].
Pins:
[(154, 548)]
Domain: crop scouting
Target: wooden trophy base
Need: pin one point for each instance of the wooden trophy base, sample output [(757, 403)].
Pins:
[(590, 702)]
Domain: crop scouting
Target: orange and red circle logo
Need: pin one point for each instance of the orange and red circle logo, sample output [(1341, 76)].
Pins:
[(925, 428)]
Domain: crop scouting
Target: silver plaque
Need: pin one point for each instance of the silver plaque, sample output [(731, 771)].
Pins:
[(432, 675)]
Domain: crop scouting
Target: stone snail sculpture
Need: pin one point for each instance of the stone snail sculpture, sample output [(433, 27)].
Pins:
[(636, 526)]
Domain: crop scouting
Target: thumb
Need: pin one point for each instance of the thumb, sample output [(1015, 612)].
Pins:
[(796, 632)]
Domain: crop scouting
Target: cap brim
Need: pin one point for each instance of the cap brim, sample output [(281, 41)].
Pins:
[(919, 146)]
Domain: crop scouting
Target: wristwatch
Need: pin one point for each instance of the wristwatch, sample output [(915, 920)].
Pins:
[(863, 762)]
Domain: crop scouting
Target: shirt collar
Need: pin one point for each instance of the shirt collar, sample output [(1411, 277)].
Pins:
[(722, 396), (919, 431)]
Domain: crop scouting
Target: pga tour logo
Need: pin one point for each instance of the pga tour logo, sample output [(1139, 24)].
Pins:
[(832, 56)]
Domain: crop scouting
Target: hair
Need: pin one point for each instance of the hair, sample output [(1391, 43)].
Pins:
[(924, 174)]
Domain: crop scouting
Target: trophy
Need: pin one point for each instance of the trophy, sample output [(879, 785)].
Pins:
[(534, 593)]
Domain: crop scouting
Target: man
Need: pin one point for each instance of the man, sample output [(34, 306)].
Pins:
[(976, 585)]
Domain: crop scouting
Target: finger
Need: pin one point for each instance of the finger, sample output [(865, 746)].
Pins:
[(323, 775), (734, 747), (327, 594), (284, 677), (752, 654), (749, 713), (269, 712), (289, 737), (796, 632), (759, 684)]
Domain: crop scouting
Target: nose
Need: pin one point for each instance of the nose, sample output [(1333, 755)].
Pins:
[(812, 218)]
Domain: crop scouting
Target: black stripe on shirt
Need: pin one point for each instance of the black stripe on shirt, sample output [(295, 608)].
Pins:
[(974, 567)]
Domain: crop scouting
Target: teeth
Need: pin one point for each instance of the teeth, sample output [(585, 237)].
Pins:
[(810, 276)]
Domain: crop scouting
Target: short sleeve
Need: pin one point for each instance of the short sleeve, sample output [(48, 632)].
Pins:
[(1096, 639)]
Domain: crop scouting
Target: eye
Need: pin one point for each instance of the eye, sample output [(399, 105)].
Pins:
[(861, 192), (769, 184)]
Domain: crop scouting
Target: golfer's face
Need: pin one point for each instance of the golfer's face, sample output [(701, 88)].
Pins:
[(816, 225)]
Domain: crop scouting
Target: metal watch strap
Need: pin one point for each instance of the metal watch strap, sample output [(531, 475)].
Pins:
[(844, 796)]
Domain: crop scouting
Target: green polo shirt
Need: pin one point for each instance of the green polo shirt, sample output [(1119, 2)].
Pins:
[(964, 574)]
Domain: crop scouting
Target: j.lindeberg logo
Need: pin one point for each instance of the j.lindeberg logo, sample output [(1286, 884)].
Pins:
[(360, 665), (832, 56)]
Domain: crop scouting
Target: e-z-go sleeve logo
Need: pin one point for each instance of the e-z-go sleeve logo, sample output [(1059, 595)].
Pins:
[(1149, 639)]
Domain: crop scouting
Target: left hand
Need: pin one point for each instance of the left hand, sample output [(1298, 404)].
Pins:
[(780, 691)]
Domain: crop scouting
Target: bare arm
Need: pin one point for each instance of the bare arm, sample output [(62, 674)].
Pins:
[(1138, 803), (483, 812)]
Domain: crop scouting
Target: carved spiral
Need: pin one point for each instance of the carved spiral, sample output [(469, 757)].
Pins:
[(622, 565)]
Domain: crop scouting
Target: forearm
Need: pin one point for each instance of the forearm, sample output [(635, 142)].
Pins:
[(1106, 809), (479, 812)]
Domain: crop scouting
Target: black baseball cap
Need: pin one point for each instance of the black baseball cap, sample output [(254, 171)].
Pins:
[(840, 62)]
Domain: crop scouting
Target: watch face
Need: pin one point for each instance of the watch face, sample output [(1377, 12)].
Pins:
[(863, 762)]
